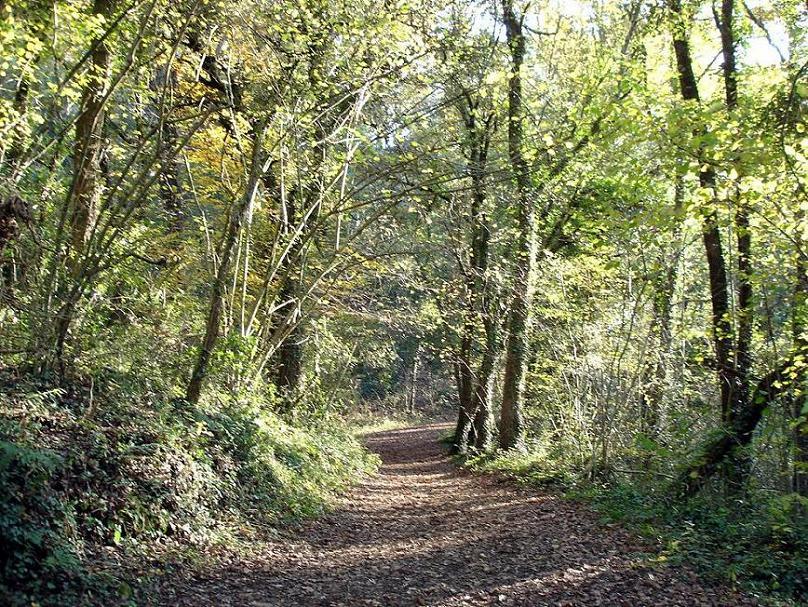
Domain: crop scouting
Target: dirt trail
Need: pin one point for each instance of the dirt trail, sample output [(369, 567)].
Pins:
[(422, 532)]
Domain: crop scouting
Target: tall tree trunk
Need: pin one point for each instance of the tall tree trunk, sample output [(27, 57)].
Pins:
[(787, 381), (481, 403), (740, 409), (743, 358), (465, 383), (238, 216), (739, 471), (289, 359), (286, 362), (35, 17), (722, 329), (481, 431), (88, 150), (20, 105), (478, 136), (800, 332), (464, 375), (79, 212), (413, 383), (510, 425)]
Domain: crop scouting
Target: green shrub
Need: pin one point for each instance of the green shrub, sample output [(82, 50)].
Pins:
[(35, 555), (759, 542), (131, 469)]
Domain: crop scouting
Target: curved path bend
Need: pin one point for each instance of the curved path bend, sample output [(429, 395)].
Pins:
[(422, 532)]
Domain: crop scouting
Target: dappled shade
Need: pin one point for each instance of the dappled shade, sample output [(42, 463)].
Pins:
[(422, 532)]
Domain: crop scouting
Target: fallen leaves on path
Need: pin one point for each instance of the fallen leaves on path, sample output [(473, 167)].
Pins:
[(421, 532)]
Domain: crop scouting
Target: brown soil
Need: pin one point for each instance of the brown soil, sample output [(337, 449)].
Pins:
[(421, 532)]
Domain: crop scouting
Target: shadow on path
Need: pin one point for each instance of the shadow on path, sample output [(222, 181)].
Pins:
[(423, 533)]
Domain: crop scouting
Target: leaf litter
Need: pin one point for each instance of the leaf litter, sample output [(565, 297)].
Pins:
[(422, 532)]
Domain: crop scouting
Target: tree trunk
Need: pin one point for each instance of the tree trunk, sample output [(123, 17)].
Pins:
[(481, 402), (739, 471), (289, 360), (510, 426), (800, 331), (483, 415), (465, 385), (88, 150), (20, 105), (740, 411), (735, 435), (478, 136), (239, 215), (413, 383), (719, 283)]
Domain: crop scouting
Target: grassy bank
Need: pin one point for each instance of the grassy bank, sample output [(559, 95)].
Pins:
[(103, 484)]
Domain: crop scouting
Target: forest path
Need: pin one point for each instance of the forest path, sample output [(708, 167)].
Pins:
[(422, 532)]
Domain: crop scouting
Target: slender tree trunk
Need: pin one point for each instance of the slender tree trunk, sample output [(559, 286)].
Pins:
[(478, 136), (745, 311), (171, 167), (787, 381), (510, 425), (36, 21), (20, 105), (413, 382), (741, 410), (740, 469), (800, 331), (719, 283), (483, 415), (89, 147), (465, 374), (481, 399), (465, 385), (289, 360), (239, 215), (79, 212)]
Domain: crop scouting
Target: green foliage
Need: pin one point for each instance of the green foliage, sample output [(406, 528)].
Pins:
[(531, 466), (37, 558), (759, 543), (378, 238), (130, 470)]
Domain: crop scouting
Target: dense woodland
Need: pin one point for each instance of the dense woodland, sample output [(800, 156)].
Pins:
[(228, 229)]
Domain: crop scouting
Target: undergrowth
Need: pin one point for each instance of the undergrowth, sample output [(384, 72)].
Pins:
[(95, 478), (758, 543)]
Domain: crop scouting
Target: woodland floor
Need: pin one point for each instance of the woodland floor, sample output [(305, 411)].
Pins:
[(422, 532)]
